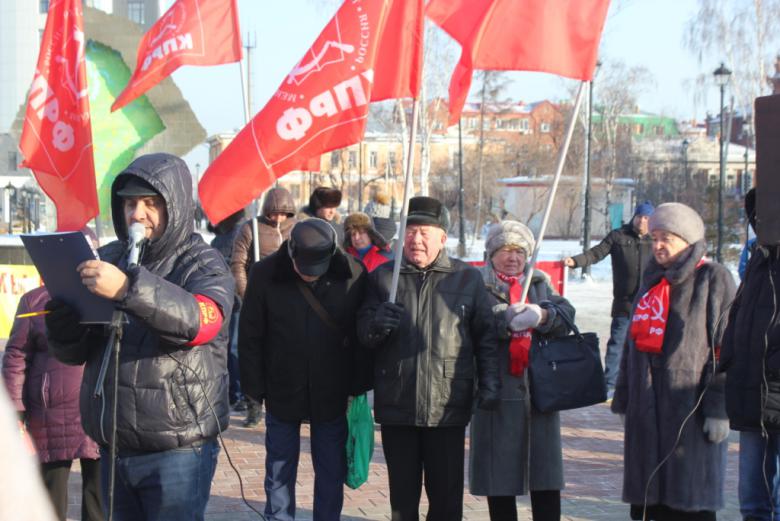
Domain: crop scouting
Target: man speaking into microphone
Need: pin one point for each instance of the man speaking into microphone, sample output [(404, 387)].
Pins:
[(172, 384)]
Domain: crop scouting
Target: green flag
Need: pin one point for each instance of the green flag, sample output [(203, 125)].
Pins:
[(115, 136)]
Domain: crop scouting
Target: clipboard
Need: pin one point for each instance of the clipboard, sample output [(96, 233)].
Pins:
[(56, 256)]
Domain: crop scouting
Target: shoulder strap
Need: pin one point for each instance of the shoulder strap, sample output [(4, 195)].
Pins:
[(316, 306)]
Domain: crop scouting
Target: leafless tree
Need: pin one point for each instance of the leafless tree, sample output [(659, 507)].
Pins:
[(743, 34)]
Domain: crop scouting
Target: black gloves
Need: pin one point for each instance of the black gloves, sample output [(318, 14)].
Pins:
[(488, 400), (62, 322), (386, 319)]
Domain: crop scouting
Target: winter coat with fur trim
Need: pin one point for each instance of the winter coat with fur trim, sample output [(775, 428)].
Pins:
[(657, 392)]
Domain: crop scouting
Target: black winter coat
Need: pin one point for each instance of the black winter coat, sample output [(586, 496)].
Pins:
[(162, 404), (746, 355), (629, 253), (424, 373), (288, 355)]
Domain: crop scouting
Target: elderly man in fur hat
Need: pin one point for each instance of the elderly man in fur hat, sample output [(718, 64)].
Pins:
[(433, 349), (362, 241), (324, 203), (667, 389)]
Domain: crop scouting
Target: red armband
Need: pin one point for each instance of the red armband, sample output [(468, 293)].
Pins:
[(210, 321)]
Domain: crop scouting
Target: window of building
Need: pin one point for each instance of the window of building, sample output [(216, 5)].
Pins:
[(659, 130), (544, 127), (391, 159), (295, 191), (507, 124), (523, 125), (136, 11), (43, 6), (373, 159), (13, 160), (353, 158), (335, 160)]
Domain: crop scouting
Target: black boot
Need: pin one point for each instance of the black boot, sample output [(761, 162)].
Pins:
[(546, 505), (253, 414)]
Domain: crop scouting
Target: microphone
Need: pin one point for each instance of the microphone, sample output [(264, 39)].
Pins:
[(137, 234)]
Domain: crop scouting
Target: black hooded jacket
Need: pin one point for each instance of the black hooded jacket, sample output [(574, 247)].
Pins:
[(751, 346), (166, 389)]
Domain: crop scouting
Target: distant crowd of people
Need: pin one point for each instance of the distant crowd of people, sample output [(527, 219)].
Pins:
[(289, 314)]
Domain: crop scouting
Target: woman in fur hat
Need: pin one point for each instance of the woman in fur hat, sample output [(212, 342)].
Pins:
[(361, 240), (502, 463), (672, 403)]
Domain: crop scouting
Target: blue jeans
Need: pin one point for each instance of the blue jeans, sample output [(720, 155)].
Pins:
[(172, 485), (329, 456), (753, 498), (617, 337), (234, 385)]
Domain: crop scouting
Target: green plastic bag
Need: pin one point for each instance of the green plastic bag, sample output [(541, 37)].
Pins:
[(360, 441)]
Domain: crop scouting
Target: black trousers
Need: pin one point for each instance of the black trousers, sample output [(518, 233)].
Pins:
[(434, 454), (545, 506), (55, 477), (664, 513)]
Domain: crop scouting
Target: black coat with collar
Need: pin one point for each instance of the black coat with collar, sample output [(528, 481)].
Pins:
[(288, 355), (426, 371)]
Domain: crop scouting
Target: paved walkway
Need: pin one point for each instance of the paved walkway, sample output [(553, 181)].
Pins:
[(593, 462)]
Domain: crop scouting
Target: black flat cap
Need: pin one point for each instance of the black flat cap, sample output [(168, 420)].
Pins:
[(136, 187), (312, 245), (428, 211)]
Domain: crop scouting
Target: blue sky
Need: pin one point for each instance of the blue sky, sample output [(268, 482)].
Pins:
[(641, 32)]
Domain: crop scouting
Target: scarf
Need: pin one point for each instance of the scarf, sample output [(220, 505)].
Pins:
[(648, 323), (520, 342)]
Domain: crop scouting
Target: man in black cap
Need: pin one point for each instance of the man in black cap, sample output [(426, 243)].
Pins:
[(431, 349), (172, 384), (297, 349)]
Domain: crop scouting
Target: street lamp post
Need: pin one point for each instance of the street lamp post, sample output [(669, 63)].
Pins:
[(586, 202), (10, 195), (685, 145), (722, 75)]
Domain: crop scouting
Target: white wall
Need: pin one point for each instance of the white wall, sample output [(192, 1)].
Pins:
[(20, 26)]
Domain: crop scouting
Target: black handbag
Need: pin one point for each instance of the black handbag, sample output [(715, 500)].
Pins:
[(566, 372)]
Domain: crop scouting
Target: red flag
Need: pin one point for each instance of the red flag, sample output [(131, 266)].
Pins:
[(560, 37), (322, 105), (191, 32), (398, 69), (57, 135), (311, 165)]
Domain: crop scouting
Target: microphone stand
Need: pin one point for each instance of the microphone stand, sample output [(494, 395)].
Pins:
[(113, 346)]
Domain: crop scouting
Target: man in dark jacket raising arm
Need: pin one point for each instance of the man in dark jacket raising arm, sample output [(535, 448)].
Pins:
[(629, 247), (172, 387), (430, 349)]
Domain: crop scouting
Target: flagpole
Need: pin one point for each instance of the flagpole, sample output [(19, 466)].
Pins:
[(399, 243), (256, 204), (559, 169)]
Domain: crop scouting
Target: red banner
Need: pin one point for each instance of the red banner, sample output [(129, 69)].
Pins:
[(322, 105), (560, 37), (191, 32), (399, 62), (57, 135)]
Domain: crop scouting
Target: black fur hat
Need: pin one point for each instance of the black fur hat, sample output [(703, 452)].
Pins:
[(427, 210), (324, 197)]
